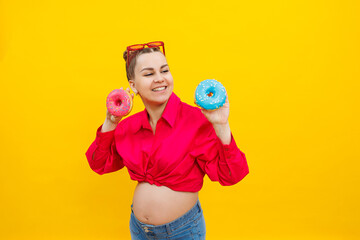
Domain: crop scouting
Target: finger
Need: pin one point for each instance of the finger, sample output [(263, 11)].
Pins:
[(204, 111)]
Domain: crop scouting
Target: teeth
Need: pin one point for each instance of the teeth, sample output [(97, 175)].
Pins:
[(159, 89)]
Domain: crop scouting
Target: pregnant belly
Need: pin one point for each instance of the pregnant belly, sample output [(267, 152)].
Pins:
[(159, 205)]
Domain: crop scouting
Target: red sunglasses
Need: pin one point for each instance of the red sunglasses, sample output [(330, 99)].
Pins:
[(131, 49)]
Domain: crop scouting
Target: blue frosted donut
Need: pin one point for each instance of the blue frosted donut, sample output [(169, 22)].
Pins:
[(210, 94)]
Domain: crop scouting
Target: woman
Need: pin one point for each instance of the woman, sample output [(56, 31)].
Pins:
[(167, 148)]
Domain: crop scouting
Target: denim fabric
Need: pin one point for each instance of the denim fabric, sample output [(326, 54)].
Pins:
[(189, 226)]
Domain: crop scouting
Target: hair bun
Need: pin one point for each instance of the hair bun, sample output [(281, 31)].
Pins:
[(125, 55)]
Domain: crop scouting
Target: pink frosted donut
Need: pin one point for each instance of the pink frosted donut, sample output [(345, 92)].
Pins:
[(119, 102)]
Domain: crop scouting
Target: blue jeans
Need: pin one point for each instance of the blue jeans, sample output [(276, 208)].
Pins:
[(191, 225)]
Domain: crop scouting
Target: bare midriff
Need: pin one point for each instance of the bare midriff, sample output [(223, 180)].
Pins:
[(159, 205)]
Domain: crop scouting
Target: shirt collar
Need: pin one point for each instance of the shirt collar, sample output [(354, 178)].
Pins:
[(171, 109), (169, 114)]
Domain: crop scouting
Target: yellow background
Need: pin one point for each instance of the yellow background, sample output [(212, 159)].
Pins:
[(291, 69)]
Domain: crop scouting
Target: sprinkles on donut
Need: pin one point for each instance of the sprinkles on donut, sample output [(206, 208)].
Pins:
[(119, 102), (210, 94)]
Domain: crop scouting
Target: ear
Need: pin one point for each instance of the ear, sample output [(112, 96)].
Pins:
[(132, 86)]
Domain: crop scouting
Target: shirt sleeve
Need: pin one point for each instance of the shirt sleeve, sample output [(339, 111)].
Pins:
[(223, 163), (102, 155)]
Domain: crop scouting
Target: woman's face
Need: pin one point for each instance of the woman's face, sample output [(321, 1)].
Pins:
[(152, 79)]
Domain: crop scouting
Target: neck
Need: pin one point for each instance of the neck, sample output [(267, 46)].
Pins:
[(155, 112)]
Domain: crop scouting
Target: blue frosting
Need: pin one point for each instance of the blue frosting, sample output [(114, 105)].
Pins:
[(210, 94)]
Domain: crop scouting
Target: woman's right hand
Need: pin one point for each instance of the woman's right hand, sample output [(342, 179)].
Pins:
[(111, 121)]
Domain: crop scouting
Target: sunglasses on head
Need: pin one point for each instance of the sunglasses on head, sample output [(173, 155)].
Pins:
[(133, 48)]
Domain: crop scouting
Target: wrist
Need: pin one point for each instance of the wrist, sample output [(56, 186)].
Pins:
[(221, 125), (108, 126), (223, 132)]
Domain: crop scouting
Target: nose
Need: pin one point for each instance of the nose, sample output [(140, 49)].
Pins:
[(159, 78)]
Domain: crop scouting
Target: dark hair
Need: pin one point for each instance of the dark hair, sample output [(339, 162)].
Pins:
[(130, 71)]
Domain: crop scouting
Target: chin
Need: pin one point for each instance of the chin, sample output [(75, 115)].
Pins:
[(162, 99), (159, 100)]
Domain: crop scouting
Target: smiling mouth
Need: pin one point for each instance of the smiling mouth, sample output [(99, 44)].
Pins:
[(159, 89)]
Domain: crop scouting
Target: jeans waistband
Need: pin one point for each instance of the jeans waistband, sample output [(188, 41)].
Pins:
[(174, 224)]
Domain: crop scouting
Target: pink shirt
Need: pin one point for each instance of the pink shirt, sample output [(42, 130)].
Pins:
[(183, 149)]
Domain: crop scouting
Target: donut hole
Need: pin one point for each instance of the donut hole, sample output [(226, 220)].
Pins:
[(117, 102), (210, 92)]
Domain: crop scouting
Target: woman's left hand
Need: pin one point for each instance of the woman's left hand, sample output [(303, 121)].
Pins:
[(219, 116), (219, 119)]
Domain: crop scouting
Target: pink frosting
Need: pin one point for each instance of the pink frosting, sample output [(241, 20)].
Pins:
[(119, 102)]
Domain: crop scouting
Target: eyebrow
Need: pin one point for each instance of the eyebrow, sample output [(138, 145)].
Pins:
[(153, 68)]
